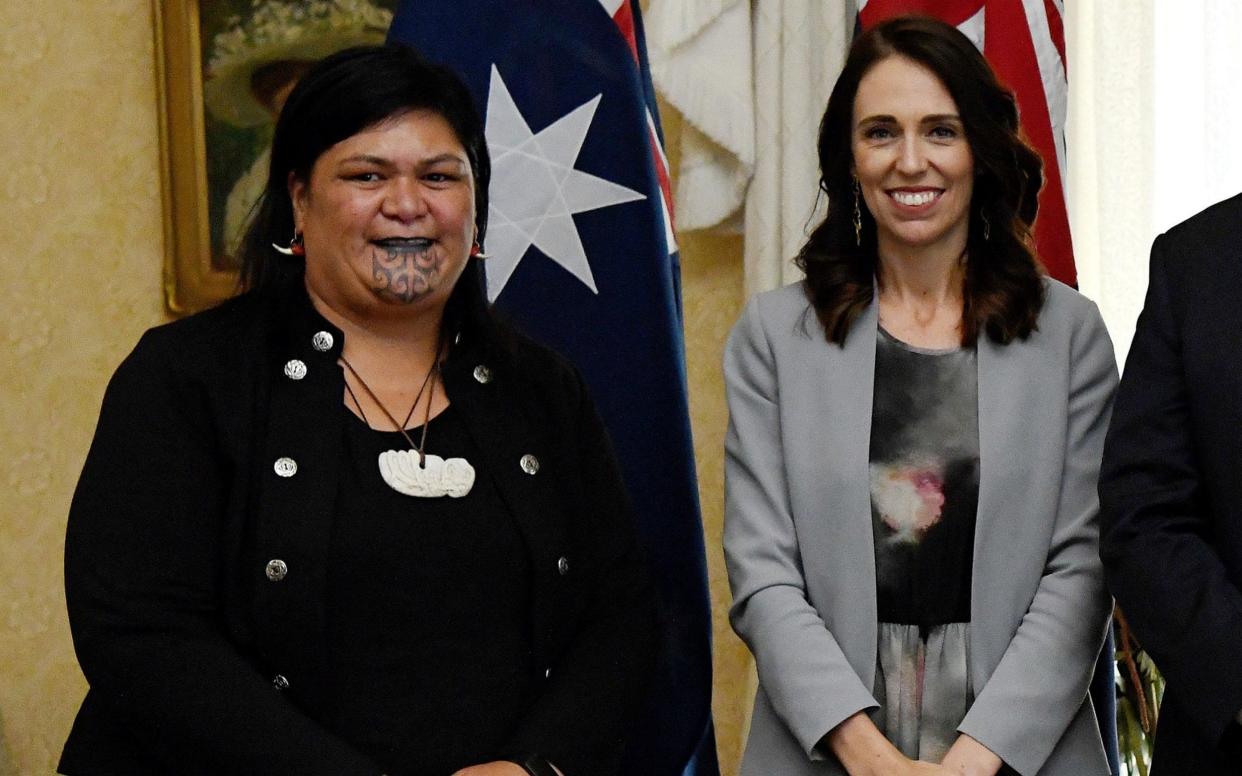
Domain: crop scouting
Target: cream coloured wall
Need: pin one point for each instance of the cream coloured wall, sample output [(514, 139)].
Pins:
[(81, 254), (80, 278), (80, 257), (711, 271), (712, 298)]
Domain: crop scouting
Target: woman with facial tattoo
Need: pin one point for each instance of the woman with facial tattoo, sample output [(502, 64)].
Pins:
[(348, 522), (915, 435)]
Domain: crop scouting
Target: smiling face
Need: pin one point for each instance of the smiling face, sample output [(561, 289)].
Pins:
[(388, 217), (911, 158)]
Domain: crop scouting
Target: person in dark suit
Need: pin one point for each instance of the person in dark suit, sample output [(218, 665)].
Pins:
[(1171, 490), (348, 522)]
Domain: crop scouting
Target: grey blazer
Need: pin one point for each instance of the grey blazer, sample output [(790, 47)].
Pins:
[(798, 533)]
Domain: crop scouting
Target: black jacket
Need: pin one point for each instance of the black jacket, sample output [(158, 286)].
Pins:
[(1171, 490), (199, 663)]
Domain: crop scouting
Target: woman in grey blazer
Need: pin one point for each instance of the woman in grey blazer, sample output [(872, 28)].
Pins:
[(914, 440)]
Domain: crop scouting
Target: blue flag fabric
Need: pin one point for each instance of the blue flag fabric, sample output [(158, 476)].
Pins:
[(582, 256)]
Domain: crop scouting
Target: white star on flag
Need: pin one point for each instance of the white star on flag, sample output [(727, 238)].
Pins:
[(535, 189)]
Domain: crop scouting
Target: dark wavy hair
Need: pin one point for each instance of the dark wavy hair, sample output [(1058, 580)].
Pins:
[(340, 96), (1003, 287)]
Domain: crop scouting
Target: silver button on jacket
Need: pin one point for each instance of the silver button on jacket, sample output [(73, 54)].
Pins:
[(482, 374), (295, 369), (530, 464), (276, 570), (562, 566), (285, 467), (280, 682), (322, 341)]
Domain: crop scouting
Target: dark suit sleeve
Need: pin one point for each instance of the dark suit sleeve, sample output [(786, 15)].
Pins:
[(1156, 526), (142, 578), (600, 681)]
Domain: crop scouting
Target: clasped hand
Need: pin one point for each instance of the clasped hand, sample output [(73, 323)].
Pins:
[(920, 768), (864, 751), (498, 768)]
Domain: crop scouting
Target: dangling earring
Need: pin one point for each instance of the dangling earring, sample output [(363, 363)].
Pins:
[(857, 216), (476, 251), (987, 225), (297, 246)]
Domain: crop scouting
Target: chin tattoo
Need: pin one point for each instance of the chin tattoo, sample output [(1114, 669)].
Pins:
[(405, 274)]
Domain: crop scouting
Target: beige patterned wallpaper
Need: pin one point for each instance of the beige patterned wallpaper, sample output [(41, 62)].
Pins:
[(80, 248), (711, 270), (80, 262), (712, 296)]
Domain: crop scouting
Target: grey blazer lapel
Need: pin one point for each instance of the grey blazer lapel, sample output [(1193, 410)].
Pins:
[(1019, 479), (829, 469), (1001, 397)]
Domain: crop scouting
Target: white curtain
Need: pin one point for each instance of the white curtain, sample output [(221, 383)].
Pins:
[(800, 47), (751, 78), (1110, 51), (1198, 106), (700, 55), (1155, 106)]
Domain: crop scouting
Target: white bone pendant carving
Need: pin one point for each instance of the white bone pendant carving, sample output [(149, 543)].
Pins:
[(436, 478)]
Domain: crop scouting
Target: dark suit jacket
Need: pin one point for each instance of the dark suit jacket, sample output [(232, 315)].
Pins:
[(177, 626), (1171, 489)]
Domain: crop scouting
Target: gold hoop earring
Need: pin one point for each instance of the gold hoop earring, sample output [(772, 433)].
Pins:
[(857, 215)]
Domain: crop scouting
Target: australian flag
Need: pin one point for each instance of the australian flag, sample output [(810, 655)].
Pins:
[(582, 255)]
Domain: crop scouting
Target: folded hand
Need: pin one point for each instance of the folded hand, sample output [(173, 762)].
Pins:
[(498, 768)]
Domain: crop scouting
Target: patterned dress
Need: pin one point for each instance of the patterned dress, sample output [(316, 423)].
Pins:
[(924, 494)]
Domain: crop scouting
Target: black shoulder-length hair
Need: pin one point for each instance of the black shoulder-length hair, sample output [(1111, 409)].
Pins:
[(340, 96), (1003, 287)]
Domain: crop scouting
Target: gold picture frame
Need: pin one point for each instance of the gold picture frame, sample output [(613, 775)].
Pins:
[(223, 69), (191, 279)]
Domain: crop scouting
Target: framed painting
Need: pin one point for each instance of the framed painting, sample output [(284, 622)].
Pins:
[(224, 69)]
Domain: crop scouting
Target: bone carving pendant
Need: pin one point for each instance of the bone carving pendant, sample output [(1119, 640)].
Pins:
[(436, 478)]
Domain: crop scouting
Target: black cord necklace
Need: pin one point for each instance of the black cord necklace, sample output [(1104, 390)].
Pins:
[(413, 472)]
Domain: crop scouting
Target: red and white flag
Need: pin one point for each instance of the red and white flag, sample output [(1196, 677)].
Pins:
[(1024, 41)]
